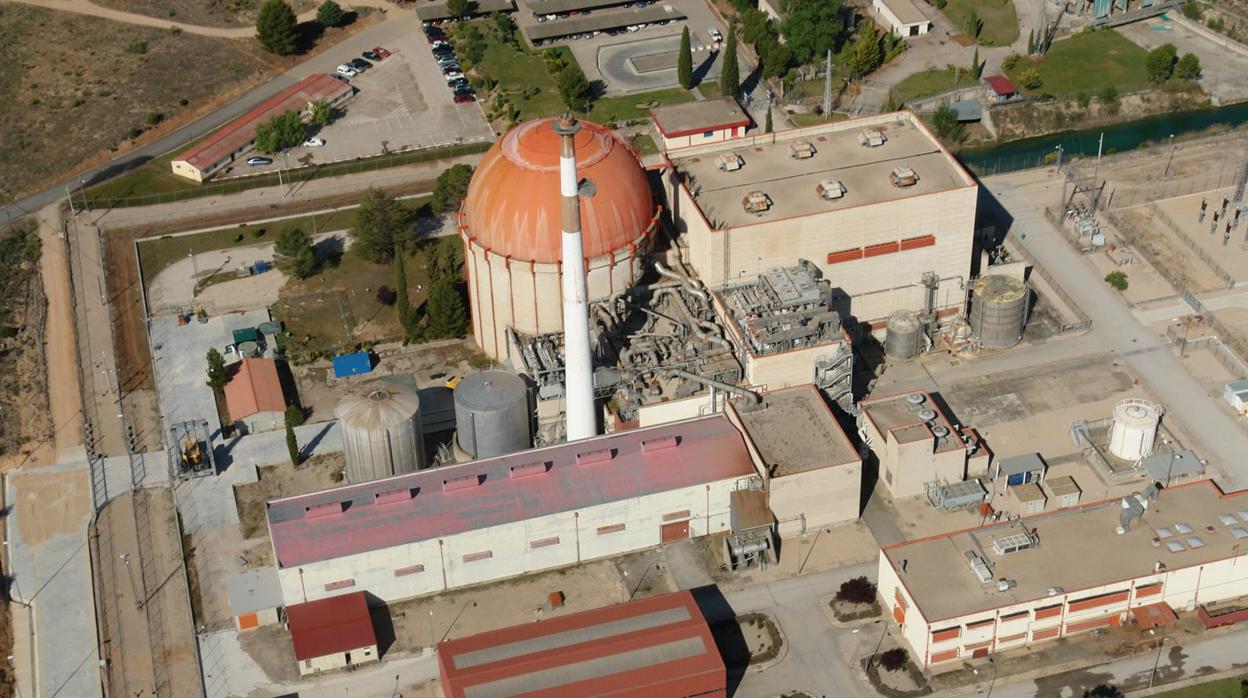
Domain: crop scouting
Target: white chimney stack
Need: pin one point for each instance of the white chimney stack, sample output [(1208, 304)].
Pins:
[(577, 360)]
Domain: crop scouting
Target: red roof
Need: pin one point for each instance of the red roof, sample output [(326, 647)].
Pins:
[(660, 646), (513, 201), (1154, 614), (254, 388), (242, 131), (1001, 85), (329, 626), (429, 504)]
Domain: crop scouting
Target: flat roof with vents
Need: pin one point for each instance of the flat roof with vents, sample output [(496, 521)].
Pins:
[(943, 587), (795, 431), (659, 646), (839, 155), (452, 499), (894, 414)]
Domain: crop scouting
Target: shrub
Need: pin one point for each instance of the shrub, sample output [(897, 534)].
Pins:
[(137, 47), (153, 117), (1031, 79), (856, 590), (1191, 10), (238, 238), (1117, 279), (1084, 99), (894, 659), (1011, 61), (387, 295)]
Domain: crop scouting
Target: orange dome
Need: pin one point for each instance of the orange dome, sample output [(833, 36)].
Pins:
[(512, 206)]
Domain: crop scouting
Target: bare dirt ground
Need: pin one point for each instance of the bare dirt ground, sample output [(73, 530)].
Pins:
[(283, 480), (25, 422), (64, 99), (210, 13), (246, 293), (1162, 250)]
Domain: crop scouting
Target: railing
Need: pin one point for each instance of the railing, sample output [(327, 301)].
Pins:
[(1192, 245)]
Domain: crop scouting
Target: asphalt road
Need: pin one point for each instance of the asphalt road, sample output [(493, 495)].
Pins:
[(378, 34)]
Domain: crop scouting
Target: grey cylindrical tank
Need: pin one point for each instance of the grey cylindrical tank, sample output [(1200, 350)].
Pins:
[(492, 414), (381, 430), (902, 338), (998, 310)]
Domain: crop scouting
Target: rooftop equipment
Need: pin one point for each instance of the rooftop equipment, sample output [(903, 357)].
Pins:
[(381, 431), (756, 202), (1134, 429), (492, 414), (954, 496), (830, 189), (729, 162), (801, 149), (871, 137), (903, 177)]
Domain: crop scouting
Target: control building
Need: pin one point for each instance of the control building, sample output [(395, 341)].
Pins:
[(917, 444), (877, 203), (972, 593)]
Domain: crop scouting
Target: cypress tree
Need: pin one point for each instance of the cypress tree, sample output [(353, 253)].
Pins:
[(684, 62), (730, 76)]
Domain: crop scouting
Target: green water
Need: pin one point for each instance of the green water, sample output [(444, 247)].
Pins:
[(1030, 152)]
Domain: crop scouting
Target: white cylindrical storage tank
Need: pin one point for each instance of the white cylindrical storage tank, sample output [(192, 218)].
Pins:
[(381, 430), (998, 310), (492, 414), (1134, 429), (511, 230), (901, 340)]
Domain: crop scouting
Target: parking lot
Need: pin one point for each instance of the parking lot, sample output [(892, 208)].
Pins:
[(402, 103), (644, 59)]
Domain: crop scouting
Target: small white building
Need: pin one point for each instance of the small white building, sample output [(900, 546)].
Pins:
[(333, 633), (901, 17), (255, 598), (1236, 395), (695, 123)]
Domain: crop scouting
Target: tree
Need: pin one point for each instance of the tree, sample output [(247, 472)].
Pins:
[(1191, 10), (293, 253), (1031, 79), (767, 128), (447, 263), (977, 68), (1159, 63), (574, 88), (730, 75), (1188, 67), (451, 188), (329, 14), (448, 316), (1031, 42), (1117, 279), (856, 590), (217, 374), (894, 659), (277, 27), (458, 8), (945, 121), (811, 27), (320, 112), (865, 55), (404, 304), (505, 25), (286, 130), (973, 25), (684, 60), (380, 223), (292, 443)]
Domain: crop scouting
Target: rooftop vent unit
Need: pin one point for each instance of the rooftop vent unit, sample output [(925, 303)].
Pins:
[(830, 189), (927, 414), (915, 401), (1133, 506), (903, 177), (1006, 545), (1054, 591), (872, 137), (980, 566), (756, 202), (1006, 584), (729, 162), (801, 149), (941, 433)]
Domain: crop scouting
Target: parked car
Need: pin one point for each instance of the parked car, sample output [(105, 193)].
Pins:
[(454, 76), (460, 84), (440, 44), (343, 78), (257, 161), (370, 56), (383, 53), (464, 98), (347, 70), (716, 36), (436, 36), (448, 60), (452, 68), (443, 54), (359, 64), (314, 143)]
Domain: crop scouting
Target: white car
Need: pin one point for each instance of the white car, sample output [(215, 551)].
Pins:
[(453, 76), (716, 36), (314, 143), (347, 70)]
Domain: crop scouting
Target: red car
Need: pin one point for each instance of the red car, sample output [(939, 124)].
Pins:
[(464, 98), (381, 52), (435, 37)]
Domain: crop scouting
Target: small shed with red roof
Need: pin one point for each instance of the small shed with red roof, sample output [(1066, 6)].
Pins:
[(254, 396), (1000, 88), (332, 633)]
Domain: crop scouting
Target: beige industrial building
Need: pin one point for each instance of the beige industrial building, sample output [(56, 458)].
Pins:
[(333, 633), (972, 593), (901, 17), (511, 229), (459, 525), (916, 443), (877, 203), (811, 471), (699, 122)]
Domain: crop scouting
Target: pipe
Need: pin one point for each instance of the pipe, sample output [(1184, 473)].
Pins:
[(582, 422), (695, 325), (712, 383), (690, 284)]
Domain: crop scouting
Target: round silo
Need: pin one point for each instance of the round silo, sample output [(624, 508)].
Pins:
[(1134, 430), (492, 414), (381, 430), (901, 340), (998, 310)]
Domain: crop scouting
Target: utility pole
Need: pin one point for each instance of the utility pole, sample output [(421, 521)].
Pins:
[(1170, 159), (827, 85)]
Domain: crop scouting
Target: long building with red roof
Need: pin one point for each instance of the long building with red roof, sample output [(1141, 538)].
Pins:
[(221, 147), (660, 647), (454, 526)]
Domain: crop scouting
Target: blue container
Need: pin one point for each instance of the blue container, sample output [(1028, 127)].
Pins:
[(260, 267), (352, 364)]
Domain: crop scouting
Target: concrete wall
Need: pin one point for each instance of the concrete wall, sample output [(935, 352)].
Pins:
[(329, 662), (263, 421), (497, 552), (675, 410), (712, 136), (526, 296), (1183, 589), (825, 496), (906, 467)]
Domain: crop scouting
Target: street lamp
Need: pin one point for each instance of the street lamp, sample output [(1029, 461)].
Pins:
[(1152, 676), (1170, 159)]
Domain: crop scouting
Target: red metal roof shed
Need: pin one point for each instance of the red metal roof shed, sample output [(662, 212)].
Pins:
[(1001, 85), (254, 388), (330, 626), (660, 647)]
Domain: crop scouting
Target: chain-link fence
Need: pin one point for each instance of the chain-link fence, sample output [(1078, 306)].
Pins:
[(1012, 162), (1217, 176), (305, 174)]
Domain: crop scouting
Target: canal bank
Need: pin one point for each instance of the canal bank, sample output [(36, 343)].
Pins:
[(1152, 130)]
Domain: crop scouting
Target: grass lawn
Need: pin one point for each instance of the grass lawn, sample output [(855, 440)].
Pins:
[(644, 144), (998, 19), (709, 89), (930, 82), (1224, 688), (518, 69), (804, 119), (629, 107), (1087, 62)]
